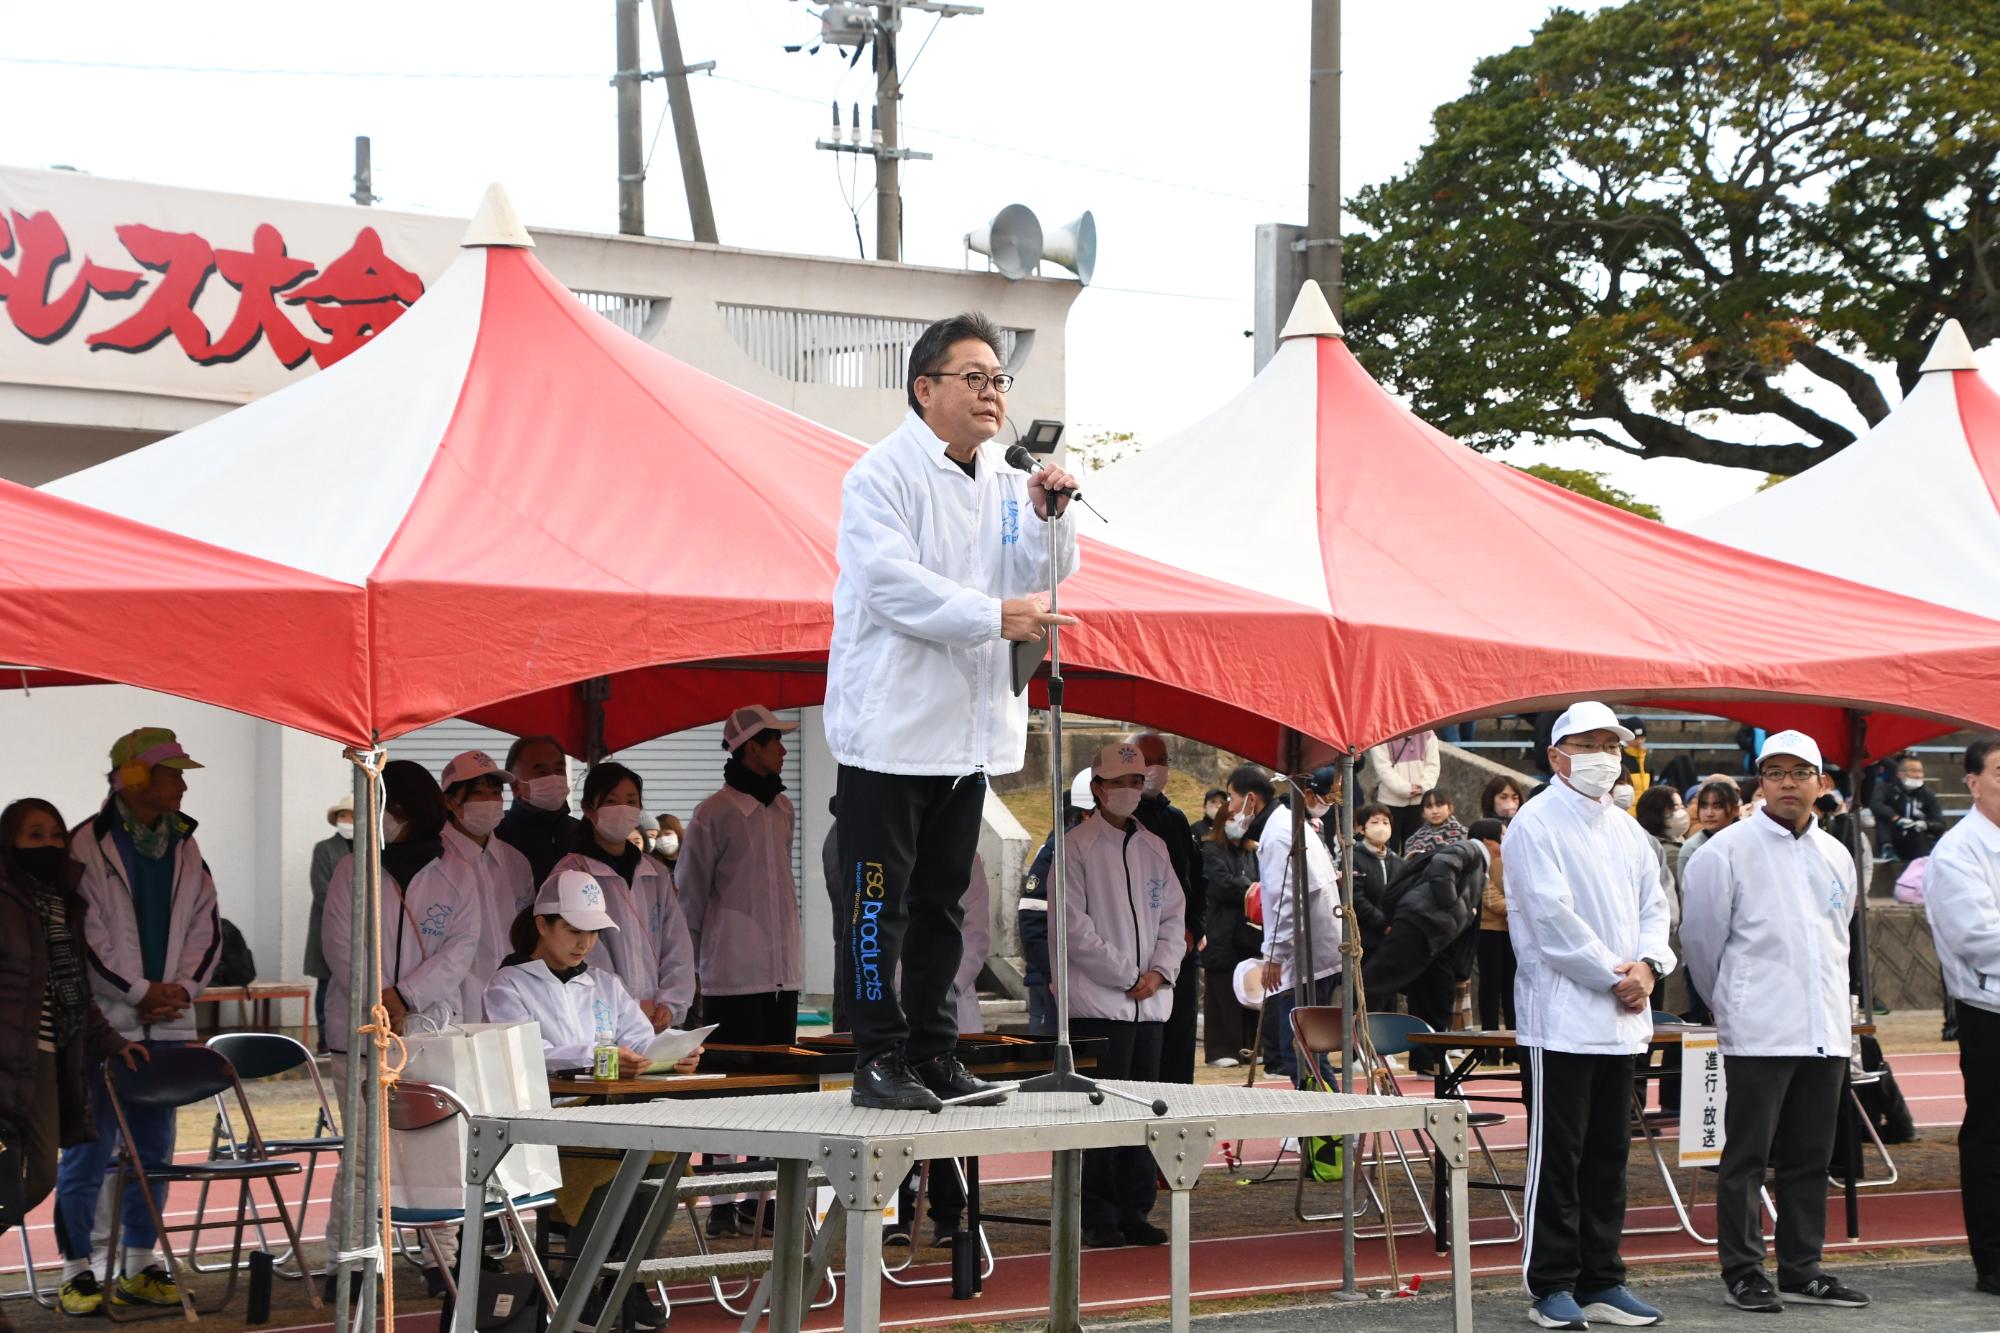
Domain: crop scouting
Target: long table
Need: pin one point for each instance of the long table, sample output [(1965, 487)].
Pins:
[(865, 1153)]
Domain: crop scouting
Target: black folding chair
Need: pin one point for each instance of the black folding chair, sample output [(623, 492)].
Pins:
[(178, 1076), (257, 1056)]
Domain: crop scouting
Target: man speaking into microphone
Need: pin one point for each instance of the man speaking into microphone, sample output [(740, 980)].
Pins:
[(942, 546)]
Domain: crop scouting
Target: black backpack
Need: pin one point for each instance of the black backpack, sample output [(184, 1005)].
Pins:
[(237, 966)]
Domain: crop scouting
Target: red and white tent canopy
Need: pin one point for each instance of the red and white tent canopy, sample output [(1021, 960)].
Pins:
[(528, 497), (1454, 586)]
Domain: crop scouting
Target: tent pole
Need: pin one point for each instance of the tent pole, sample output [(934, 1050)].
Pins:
[(596, 692), (1857, 759), (355, 1208), (1303, 979), (1350, 959)]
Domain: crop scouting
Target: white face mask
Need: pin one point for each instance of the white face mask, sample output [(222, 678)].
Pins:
[(1235, 827), (547, 793), (1622, 797), (614, 823), (1316, 808), (345, 828), (481, 817), (1593, 774), (1120, 802), (1376, 833), (670, 844), (1677, 823), (1913, 784), (392, 827), (1156, 779)]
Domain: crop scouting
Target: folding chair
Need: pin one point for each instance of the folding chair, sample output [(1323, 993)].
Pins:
[(1858, 1079), (894, 1272), (256, 1056), (414, 1106), (178, 1076), (1647, 1124), (1390, 1034)]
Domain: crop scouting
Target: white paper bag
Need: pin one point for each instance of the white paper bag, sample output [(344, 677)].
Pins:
[(493, 1068), (520, 1084)]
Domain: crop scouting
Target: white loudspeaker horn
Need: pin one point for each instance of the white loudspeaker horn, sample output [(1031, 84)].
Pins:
[(1074, 246), (1012, 240)]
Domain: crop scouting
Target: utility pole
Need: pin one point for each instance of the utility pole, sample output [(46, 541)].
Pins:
[(694, 176), (364, 172), (631, 156), (888, 168), (1322, 240)]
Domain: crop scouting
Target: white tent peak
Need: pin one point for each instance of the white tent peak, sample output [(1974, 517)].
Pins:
[(1311, 316), (497, 223), (1949, 351)]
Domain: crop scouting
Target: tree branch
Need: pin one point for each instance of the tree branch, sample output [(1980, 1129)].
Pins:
[(1851, 379), (1660, 438)]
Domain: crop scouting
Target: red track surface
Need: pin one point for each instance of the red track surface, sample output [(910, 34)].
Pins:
[(1236, 1266)]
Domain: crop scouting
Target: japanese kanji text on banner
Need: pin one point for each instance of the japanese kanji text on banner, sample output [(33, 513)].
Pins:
[(1704, 1095)]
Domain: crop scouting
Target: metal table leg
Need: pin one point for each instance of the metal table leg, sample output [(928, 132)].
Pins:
[(659, 1212), (864, 1267), (787, 1248), (589, 1260), (1066, 1242), (1448, 1131), (1180, 1154)]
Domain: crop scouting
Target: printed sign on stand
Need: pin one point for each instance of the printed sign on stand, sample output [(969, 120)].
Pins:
[(1704, 1095)]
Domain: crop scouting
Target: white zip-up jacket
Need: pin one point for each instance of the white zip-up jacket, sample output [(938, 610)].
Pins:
[(738, 896), (1764, 919), (1962, 899), (650, 951), (111, 929), (430, 935), (499, 879), (1583, 896), (568, 1012), (1281, 918), (1125, 911), (918, 679)]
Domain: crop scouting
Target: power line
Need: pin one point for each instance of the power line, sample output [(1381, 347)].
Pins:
[(154, 68)]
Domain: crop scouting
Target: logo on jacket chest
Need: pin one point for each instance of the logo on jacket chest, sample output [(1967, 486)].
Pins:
[(1010, 521), (435, 921), (1156, 891)]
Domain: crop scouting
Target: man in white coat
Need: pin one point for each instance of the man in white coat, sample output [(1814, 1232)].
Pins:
[(942, 546), (1589, 924), (1962, 899), (1283, 946), (1125, 911), (1765, 910), (737, 892)]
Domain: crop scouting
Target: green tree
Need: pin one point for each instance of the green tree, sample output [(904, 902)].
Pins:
[(1592, 484), (1634, 228), (1100, 448)]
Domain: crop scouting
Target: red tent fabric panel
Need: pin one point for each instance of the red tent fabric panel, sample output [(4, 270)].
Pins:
[(91, 595)]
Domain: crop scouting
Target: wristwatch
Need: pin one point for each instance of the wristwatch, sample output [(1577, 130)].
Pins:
[(1658, 971)]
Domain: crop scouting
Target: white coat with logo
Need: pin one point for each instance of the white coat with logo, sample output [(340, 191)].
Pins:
[(1962, 899), (918, 679), (111, 929), (650, 951), (568, 1012), (1583, 896), (1764, 919), (1126, 914), (429, 938), (738, 896), (500, 880)]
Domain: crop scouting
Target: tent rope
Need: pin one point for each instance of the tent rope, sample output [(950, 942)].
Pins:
[(391, 1054)]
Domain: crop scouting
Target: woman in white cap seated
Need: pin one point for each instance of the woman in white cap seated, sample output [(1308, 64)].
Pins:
[(546, 981)]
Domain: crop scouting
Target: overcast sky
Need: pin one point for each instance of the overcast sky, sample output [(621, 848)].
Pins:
[(1181, 125)]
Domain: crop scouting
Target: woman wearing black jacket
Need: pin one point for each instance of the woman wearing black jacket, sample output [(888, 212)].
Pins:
[(52, 1034), (1230, 867)]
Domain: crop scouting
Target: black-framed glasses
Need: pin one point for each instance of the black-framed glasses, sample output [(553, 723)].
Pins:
[(975, 380), (1799, 774)]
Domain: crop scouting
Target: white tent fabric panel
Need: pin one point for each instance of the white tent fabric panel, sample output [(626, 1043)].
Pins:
[(320, 476), (1257, 460)]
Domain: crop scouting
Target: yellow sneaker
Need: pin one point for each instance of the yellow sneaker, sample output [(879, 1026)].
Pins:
[(81, 1295), (151, 1286)]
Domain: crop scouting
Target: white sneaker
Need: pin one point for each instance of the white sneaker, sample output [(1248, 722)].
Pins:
[(1289, 1144), (1226, 1062)]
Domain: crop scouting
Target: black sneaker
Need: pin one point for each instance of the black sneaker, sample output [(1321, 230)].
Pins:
[(1988, 1283), (1103, 1238), (1144, 1233), (1825, 1290), (886, 1082), (1755, 1292), (722, 1221), (641, 1314), (951, 1081)]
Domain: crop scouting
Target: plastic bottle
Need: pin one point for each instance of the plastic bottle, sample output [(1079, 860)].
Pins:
[(604, 1055)]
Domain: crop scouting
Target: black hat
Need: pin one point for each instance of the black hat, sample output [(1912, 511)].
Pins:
[(1320, 781)]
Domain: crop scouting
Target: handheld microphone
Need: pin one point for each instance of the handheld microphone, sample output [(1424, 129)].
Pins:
[(1017, 456)]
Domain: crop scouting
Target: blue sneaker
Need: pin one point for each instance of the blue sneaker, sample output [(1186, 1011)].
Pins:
[(1617, 1305), (1558, 1309)]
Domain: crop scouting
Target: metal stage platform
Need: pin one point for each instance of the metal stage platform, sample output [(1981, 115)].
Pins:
[(864, 1154)]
